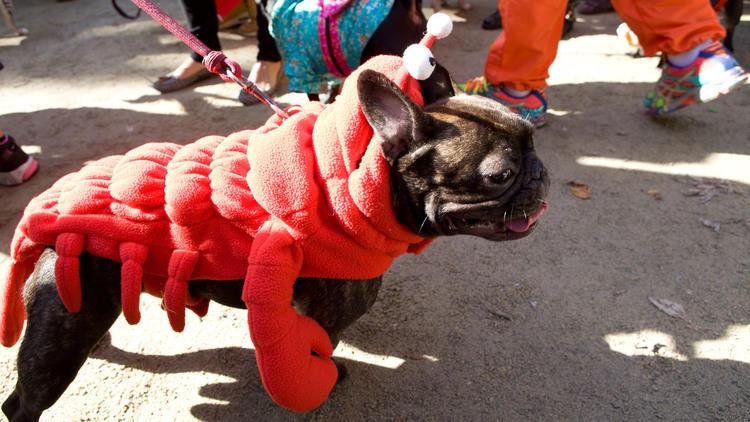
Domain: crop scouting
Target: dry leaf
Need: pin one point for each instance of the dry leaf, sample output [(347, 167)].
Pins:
[(670, 308), (707, 189), (655, 193), (580, 190)]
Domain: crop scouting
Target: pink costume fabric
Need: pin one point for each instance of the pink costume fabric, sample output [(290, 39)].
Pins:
[(329, 10), (308, 196)]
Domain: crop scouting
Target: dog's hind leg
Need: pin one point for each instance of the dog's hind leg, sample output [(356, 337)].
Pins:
[(57, 342)]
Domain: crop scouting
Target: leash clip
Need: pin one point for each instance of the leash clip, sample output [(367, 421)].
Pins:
[(253, 89)]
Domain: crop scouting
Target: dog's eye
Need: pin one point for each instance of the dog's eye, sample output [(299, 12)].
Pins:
[(500, 178)]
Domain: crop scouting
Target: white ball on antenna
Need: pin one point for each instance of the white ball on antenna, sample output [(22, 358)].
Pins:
[(440, 25)]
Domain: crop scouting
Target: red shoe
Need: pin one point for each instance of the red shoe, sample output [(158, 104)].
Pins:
[(533, 107)]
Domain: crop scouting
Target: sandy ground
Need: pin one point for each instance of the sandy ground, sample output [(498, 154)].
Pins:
[(558, 326)]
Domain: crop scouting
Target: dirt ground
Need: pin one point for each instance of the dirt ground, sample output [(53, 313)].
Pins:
[(562, 325)]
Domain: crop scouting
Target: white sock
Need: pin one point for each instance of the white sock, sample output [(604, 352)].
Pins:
[(516, 93), (684, 59)]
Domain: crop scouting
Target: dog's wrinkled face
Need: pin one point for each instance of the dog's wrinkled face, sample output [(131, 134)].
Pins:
[(463, 165)]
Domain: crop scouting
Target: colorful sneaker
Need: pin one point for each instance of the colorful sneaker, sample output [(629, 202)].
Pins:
[(16, 166), (713, 73), (532, 107)]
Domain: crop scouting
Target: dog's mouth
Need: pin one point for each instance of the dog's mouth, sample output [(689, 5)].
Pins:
[(495, 229)]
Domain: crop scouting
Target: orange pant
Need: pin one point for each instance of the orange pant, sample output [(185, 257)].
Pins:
[(520, 57)]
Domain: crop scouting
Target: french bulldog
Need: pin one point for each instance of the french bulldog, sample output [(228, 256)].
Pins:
[(460, 165)]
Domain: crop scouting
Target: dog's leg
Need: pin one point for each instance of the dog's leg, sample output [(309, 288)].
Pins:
[(57, 342), (335, 304)]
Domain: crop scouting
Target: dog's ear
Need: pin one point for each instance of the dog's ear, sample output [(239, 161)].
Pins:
[(390, 112), (438, 87)]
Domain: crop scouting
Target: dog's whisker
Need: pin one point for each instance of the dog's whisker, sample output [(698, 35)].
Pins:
[(422, 225)]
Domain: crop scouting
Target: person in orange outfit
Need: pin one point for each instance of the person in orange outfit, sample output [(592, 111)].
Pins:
[(698, 67)]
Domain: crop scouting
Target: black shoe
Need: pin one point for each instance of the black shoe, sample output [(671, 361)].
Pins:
[(493, 21), (16, 166)]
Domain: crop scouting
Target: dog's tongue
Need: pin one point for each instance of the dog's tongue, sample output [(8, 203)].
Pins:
[(522, 224)]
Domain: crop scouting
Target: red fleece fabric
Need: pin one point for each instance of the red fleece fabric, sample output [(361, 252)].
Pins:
[(303, 197)]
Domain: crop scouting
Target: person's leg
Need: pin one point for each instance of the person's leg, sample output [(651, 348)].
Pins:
[(267, 50), (520, 57), (203, 23), (518, 61), (698, 68), (670, 26), (266, 71)]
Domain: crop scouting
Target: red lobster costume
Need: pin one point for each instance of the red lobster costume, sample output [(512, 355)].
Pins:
[(308, 196)]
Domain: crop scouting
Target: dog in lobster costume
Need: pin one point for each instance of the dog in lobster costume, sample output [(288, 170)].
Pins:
[(331, 194)]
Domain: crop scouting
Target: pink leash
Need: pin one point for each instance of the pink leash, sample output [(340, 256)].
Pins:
[(328, 21), (214, 61)]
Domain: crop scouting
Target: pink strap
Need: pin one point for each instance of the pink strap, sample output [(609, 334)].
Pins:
[(330, 9)]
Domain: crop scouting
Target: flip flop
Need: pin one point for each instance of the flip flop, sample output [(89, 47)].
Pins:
[(170, 83)]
